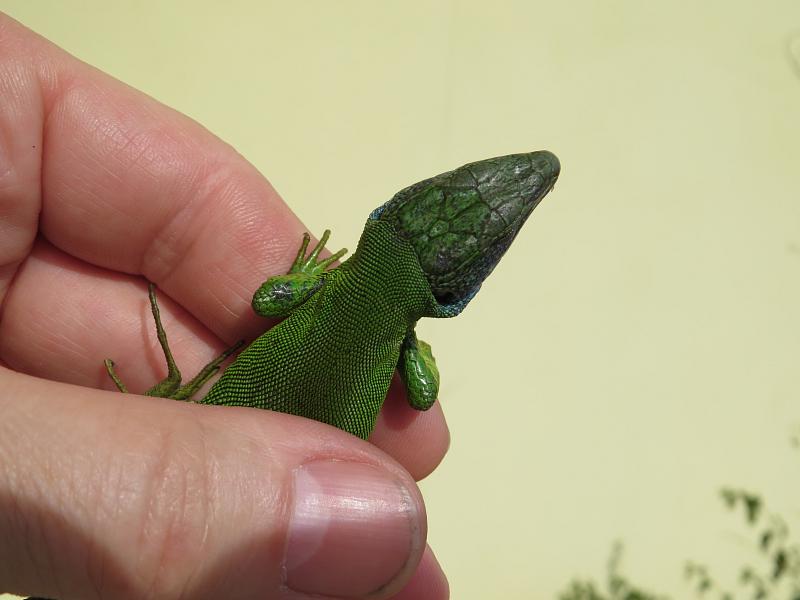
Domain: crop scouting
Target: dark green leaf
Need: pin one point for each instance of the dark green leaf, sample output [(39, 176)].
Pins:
[(753, 506), (766, 539), (779, 564)]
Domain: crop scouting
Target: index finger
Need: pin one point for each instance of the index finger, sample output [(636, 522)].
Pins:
[(131, 185)]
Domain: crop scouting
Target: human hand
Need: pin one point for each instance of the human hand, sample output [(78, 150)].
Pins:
[(114, 496)]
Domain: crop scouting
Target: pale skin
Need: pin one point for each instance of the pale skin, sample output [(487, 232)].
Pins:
[(106, 495)]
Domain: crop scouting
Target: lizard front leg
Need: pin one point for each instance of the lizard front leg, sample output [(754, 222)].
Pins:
[(280, 295), (418, 370), (276, 297)]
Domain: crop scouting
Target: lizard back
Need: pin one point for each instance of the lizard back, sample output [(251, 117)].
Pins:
[(333, 358)]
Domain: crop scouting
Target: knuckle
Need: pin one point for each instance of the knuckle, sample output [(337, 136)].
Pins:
[(173, 511)]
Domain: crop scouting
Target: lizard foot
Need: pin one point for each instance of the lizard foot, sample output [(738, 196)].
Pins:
[(170, 386)]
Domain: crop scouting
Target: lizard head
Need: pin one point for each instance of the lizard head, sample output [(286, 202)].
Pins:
[(460, 223)]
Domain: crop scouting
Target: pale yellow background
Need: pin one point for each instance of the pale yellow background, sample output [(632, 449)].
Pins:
[(638, 346)]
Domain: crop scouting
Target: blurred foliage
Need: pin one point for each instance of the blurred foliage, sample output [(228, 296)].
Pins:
[(773, 572), (617, 586)]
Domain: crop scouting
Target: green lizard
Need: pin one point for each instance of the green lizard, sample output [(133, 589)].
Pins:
[(424, 253)]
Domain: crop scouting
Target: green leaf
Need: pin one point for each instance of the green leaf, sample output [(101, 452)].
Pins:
[(753, 506), (779, 564), (728, 496), (766, 539)]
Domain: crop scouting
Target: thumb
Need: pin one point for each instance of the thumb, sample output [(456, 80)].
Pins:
[(115, 496)]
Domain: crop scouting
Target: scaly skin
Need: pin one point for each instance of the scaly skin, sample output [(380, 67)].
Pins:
[(424, 253)]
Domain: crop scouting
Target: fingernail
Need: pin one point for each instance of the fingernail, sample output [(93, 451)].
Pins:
[(354, 529)]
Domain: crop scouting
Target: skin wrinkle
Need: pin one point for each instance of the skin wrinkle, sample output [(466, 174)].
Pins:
[(192, 240), (208, 475), (60, 484), (190, 232), (146, 151), (159, 472), (19, 182), (176, 506), (13, 84), (114, 504), (106, 122), (8, 273), (257, 232), (155, 154), (47, 544), (112, 129), (72, 486), (15, 514), (74, 101), (71, 349), (43, 334), (145, 266), (110, 138), (276, 257), (126, 500), (207, 491), (95, 575), (94, 555), (13, 228), (6, 164), (54, 110), (263, 500), (218, 191)]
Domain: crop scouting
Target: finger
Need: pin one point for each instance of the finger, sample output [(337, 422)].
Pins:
[(416, 439), (133, 186), (21, 124), (65, 332), (64, 317), (155, 498), (427, 583)]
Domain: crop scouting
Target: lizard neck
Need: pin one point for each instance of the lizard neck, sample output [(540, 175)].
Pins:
[(386, 262)]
